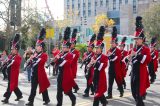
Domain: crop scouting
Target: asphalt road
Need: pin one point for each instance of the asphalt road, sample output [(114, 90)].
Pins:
[(153, 97)]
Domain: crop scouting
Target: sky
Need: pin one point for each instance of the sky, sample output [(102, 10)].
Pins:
[(56, 7)]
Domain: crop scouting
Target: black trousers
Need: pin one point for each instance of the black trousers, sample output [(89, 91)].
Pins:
[(76, 87), (151, 71), (124, 82), (34, 84), (4, 72), (111, 81), (8, 93), (101, 99), (55, 69), (89, 87), (60, 95), (135, 91)]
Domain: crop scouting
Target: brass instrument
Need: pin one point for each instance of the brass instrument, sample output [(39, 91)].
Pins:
[(31, 61), (54, 59)]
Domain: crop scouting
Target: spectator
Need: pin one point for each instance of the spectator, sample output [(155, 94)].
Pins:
[(3, 60), (27, 56)]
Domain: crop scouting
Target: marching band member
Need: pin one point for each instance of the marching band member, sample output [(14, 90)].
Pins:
[(115, 72), (13, 66), (76, 55), (39, 76), (65, 79), (55, 52), (99, 62), (124, 53), (140, 57), (153, 65), (89, 72)]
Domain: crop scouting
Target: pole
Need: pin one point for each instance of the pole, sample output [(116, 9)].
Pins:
[(49, 54)]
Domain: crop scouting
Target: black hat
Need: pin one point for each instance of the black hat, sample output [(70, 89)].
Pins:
[(100, 37), (114, 35), (153, 42), (74, 34), (41, 37), (139, 33), (91, 42), (16, 42), (66, 38), (123, 41)]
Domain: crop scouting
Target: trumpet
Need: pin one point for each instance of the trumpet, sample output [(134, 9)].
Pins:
[(133, 55), (92, 62), (54, 59), (31, 61), (112, 53)]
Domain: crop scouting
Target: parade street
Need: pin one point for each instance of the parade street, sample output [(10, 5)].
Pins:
[(152, 99)]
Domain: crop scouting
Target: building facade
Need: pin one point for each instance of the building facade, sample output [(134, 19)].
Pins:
[(123, 12)]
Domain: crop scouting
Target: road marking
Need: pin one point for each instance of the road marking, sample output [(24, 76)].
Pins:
[(128, 94)]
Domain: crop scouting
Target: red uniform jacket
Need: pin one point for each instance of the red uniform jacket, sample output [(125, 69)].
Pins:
[(76, 55), (102, 81), (84, 56), (42, 76), (15, 72), (68, 80), (123, 64), (155, 60), (55, 52), (117, 66), (143, 72)]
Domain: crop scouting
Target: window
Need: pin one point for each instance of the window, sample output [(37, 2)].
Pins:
[(114, 4), (68, 7), (126, 1), (67, 1), (101, 2), (79, 13), (95, 12), (72, 6), (89, 5), (89, 13), (84, 13), (120, 1), (79, 6), (107, 2), (134, 7), (96, 4), (84, 5)]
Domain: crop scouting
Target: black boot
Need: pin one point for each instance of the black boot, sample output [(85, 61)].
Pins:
[(144, 96), (29, 104), (76, 89), (46, 102), (74, 102), (92, 93), (109, 97), (18, 98), (105, 104), (5, 101), (86, 95), (121, 94)]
